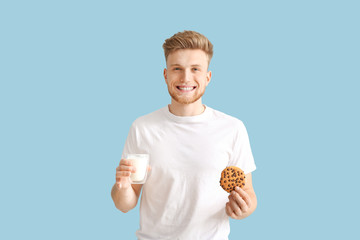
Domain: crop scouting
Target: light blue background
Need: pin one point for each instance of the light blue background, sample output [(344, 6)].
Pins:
[(75, 74)]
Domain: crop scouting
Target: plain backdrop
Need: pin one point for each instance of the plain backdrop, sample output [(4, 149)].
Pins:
[(75, 75)]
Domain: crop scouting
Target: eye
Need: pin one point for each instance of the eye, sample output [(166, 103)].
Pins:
[(196, 69), (177, 68)]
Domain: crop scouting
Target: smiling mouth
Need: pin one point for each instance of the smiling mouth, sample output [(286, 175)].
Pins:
[(185, 88)]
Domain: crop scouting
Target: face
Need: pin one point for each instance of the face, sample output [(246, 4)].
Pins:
[(186, 75)]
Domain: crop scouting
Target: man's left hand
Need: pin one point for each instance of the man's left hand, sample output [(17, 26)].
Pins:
[(239, 204)]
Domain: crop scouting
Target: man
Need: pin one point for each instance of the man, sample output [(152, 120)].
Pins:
[(189, 145)]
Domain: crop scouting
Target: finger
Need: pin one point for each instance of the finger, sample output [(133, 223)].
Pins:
[(123, 174), (121, 184), (240, 203), (235, 207), (126, 168), (122, 181), (244, 195), (229, 211), (126, 162), (118, 182)]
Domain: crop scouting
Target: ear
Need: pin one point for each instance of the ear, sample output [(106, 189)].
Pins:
[(165, 75), (208, 77)]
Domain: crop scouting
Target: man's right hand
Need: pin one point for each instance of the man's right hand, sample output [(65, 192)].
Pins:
[(123, 172)]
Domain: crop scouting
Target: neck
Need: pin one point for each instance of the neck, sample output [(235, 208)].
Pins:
[(186, 110)]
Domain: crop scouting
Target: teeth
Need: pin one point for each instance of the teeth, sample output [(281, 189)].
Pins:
[(186, 88)]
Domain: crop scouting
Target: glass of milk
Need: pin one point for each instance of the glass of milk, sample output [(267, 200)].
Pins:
[(140, 162)]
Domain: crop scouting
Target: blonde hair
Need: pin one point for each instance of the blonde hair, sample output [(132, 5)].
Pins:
[(188, 40)]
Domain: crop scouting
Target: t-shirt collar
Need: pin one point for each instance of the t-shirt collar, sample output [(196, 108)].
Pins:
[(188, 119)]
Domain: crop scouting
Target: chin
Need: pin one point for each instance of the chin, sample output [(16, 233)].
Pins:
[(183, 100)]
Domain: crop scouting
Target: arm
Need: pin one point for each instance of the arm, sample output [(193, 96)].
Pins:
[(124, 194), (242, 202)]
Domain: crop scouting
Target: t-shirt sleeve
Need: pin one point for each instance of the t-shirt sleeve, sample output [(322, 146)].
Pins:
[(242, 155), (132, 141)]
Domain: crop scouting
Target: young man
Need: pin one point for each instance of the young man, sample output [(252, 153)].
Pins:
[(189, 145)]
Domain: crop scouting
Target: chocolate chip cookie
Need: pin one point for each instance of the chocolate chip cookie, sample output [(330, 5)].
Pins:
[(231, 177)]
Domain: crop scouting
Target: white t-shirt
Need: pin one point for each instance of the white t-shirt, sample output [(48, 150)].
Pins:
[(182, 197)]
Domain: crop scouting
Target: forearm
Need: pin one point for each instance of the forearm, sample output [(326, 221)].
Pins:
[(124, 199)]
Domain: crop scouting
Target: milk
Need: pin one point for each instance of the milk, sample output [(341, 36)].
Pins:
[(140, 162)]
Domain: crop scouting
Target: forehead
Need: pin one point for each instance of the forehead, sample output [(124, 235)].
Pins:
[(187, 57)]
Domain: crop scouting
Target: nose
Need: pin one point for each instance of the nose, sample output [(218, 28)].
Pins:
[(186, 76)]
